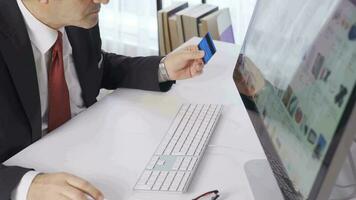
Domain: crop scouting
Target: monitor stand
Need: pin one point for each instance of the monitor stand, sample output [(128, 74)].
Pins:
[(262, 182), (345, 186)]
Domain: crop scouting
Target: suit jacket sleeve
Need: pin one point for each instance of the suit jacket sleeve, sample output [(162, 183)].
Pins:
[(9, 179), (132, 72)]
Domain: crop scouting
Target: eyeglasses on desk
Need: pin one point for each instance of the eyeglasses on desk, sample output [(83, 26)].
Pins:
[(212, 195)]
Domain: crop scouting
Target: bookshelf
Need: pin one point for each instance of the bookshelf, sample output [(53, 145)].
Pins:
[(240, 11)]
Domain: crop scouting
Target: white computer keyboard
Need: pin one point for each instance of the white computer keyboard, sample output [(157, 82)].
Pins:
[(176, 158)]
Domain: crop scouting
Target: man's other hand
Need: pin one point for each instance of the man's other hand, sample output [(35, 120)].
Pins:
[(185, 63), (61, 186)]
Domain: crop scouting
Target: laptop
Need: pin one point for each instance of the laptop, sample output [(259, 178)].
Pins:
[(296, 74)]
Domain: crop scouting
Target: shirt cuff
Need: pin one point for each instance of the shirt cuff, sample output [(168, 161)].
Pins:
[(20, 192)]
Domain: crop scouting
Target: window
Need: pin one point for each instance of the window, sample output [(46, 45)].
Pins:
[(166, 3), (129, 27)]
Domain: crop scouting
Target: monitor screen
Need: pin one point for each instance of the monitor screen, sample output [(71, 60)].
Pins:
[(298, 68)]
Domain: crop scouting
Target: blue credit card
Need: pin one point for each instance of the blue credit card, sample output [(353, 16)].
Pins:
[(207, 45)]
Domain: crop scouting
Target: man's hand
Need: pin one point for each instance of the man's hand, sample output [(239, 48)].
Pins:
[(61, 186), (185, 63), (248, 78)]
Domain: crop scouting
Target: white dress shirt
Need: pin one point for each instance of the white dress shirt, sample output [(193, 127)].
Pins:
[(42, 40)]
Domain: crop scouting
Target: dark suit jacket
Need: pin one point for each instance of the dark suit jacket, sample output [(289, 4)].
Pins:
[(20, 110)]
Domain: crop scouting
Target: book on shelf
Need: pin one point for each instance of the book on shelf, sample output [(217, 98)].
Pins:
[(189, 20), (179, 21), (173, 32), (162, 50), (219, 25), (165, 43)]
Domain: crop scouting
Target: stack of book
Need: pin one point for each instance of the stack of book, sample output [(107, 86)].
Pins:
[(179, 23)]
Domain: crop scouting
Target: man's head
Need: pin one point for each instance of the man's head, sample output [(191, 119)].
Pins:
[(59, 13)]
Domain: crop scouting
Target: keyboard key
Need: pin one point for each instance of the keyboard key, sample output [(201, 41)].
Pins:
[(185, 163), (177, 163), (192, 163), (199, 149), (143, 187), (169, 149), (161, 162), (177, 179), (183, 182), (168, 182), (156, 186), (153, 162), (162, 177), (151, 181), (191, 151), (159, 182), (144, 177)]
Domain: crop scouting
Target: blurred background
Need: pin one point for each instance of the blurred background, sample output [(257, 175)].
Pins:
[(129, 27)]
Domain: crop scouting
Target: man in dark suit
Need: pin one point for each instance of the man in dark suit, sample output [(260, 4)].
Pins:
[(52, 68)]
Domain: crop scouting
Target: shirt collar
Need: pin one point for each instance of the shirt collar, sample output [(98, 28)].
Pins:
[(41, 35)]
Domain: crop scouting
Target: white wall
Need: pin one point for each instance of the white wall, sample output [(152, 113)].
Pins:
[(128, 24)]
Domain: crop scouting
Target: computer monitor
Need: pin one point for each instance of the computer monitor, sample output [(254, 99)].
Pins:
[(296, 74)]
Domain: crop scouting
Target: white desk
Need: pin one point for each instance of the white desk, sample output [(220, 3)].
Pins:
[(111, 142)]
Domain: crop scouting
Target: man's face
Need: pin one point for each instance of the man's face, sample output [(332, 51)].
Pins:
[(81, 13)]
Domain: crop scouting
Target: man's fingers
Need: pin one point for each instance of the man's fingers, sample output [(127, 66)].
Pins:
[(44, 1), (62, 197), (199, 64), (85, 186), (197, 69), (193, 52), (193, 55), (101, 1), (196, 73), (192, 48), (73, 193)]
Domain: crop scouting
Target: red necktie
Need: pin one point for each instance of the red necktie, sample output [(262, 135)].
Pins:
[(58, 94)]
